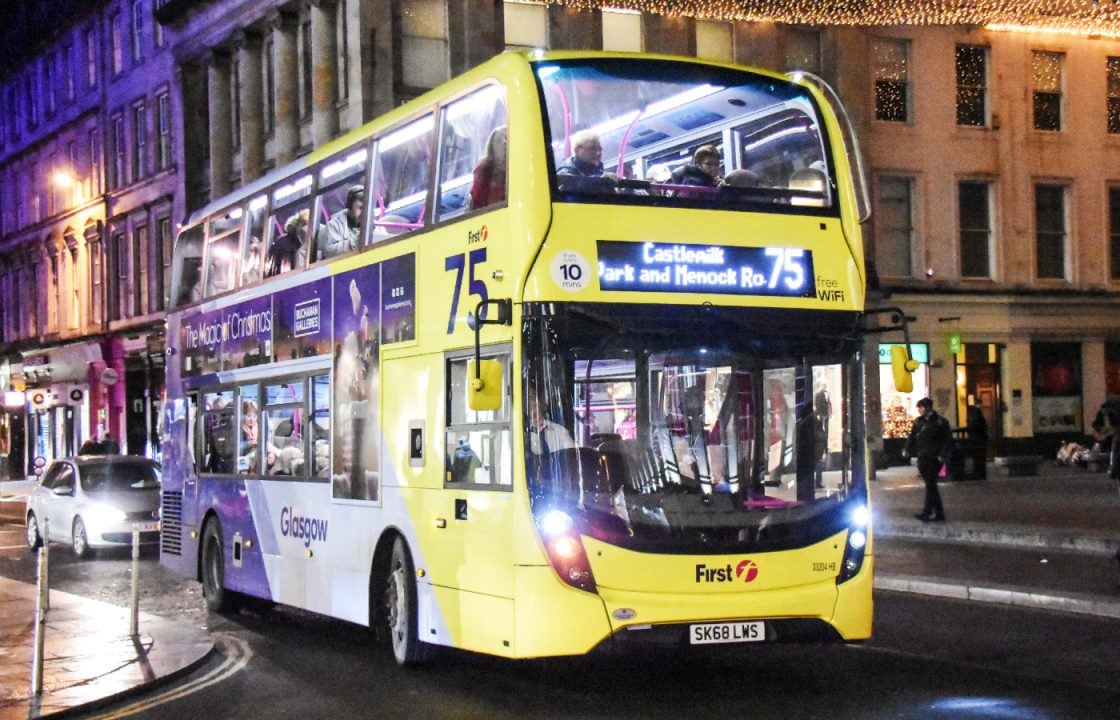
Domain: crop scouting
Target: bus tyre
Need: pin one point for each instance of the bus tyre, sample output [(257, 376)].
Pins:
[(400, 607), (34, 539), (79, 541), (218, 598)]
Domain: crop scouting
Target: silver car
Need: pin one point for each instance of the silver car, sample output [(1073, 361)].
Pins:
[(93, 502)]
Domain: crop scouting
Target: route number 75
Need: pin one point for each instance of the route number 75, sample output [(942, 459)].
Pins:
[(476, 286), (789, 266)]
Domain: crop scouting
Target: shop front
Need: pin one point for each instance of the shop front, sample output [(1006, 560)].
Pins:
[(898, 408)]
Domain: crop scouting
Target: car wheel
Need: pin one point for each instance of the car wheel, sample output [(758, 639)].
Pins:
[(79, 541), (218, 598), (400, 608), (34, 539)]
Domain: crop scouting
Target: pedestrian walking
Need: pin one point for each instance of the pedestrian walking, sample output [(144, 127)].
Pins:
[(1106, 430), (929, 443)]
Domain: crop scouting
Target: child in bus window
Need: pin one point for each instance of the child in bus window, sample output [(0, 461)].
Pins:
[(489, 186), (289, 250)]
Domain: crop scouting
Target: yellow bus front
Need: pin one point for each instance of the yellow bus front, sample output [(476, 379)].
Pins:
[(687, 363)]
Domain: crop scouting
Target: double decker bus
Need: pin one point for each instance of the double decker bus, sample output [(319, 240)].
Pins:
[(496, 372)]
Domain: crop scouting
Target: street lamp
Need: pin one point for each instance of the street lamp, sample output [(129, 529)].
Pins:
[(63, 179)]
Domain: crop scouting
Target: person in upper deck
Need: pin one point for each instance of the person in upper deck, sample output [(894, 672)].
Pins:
[(489, 185), (704, 170), (583, 171), (340, 233)]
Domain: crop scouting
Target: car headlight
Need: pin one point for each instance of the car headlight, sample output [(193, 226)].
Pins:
[(105, 514)]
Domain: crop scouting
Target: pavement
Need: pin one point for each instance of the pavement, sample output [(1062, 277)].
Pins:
[(89, 657), (1048, 541)]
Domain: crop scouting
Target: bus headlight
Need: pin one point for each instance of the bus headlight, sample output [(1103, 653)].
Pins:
[(555, 522), (857, 540), (860, 516), (565, 549)]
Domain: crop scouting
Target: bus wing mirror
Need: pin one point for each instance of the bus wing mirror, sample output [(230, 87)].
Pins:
[(902, 367), (485, 391)]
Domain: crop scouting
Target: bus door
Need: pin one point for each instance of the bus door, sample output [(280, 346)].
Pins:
[(473, 550)]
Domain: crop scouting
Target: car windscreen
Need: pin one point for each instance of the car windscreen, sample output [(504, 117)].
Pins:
[(119, 477)]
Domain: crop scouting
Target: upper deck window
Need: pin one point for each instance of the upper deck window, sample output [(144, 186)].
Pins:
[(222, 252), (186, 278), (670, 133), (289, 227), (474, 144), (399, 197), (341, 206), (252, 263)]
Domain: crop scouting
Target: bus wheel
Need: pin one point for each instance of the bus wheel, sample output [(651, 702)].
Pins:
[(218, 598), (400, 607)]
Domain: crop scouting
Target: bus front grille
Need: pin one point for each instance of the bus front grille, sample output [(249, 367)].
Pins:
[(171, 540)]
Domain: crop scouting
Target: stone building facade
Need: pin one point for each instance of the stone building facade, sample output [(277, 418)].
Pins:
[(991, 156)]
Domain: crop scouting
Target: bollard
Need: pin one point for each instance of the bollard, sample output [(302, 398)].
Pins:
[(41, 593), (46, 539), (134, 615)]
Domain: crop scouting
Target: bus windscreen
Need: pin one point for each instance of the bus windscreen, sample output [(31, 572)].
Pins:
[(658, 132)]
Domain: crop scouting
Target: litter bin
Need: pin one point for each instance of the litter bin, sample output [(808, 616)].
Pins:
[(961, 464)]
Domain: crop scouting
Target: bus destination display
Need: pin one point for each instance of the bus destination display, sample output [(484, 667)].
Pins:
[(687, 268)]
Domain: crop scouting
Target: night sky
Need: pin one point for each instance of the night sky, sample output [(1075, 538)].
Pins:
[(28, 25)]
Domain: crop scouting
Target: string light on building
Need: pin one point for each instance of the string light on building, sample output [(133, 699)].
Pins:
[(1080, 17)]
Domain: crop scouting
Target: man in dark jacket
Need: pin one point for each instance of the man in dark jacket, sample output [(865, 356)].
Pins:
[(929, 442), (583, 171), (1106, 429)]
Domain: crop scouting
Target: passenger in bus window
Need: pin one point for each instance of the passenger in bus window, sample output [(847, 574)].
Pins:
[(289, 250), (465, 462), (703, 172), (340, 233), (489, 186), (250, 437), (583, 171), (251, 272), (545, 436)]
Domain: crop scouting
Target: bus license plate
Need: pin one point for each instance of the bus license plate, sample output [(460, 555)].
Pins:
[(732, 632)]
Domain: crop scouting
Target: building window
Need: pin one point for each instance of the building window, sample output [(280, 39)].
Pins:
[(33, 98), (91, 58), (526, 24), (121, 306), (163, 122), (116, 179), (1046, 68), (139, 141), (162, 254), (75, 291), (49, 82), (803, 50), (715, 40), (305, 69), (137, 30), (269, 87), (94, 162), (890, 59), (342, 54), (424, 59), (157, 26), (116, 50), (972, 85), (894, 227), (1050, 231), (1113, 69), (235, 103), (72, 69), (139, 286), (975, 223), (95, 297), (1114, 231), (53, 299)]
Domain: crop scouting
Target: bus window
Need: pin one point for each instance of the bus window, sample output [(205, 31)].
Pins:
[(341, 206), (186, 279), (637, 132), (284, 449), (321, 426), (252, 262), (473, 149), (248, 444), (192, 429), (479, 449), (399, 197), (217, 433), (289, 227), (223, 249)]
